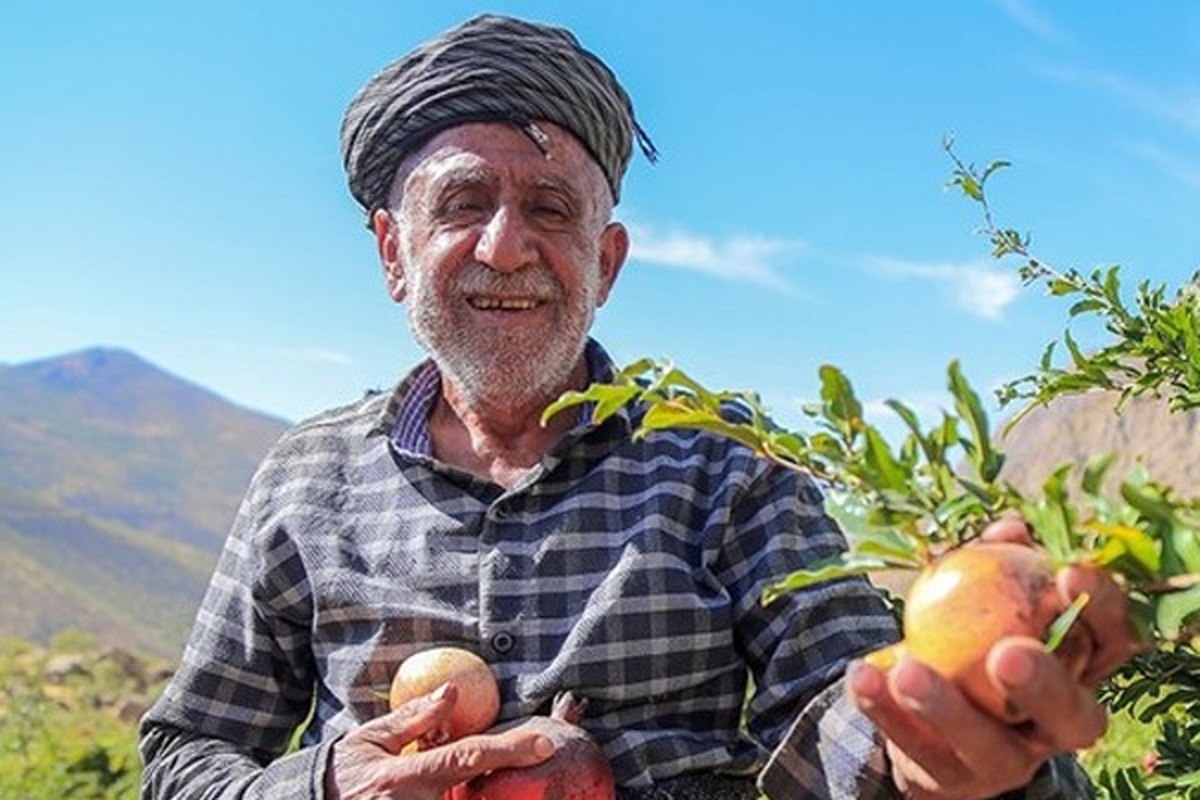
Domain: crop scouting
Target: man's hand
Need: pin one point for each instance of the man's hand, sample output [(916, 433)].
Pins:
[(367, 763), (944, 747)]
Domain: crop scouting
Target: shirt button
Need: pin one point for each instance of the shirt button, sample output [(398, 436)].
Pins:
[(503, 641)]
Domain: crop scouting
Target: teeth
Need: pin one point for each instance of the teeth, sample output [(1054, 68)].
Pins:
[(497, 304)]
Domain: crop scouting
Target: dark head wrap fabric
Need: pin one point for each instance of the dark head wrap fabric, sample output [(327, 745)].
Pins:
[(487, 69)]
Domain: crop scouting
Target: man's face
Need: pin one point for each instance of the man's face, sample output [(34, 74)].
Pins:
[(503, 252)]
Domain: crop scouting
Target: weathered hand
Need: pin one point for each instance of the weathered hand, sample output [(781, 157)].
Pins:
[(1105, 617), (943, 746), (367, 763)]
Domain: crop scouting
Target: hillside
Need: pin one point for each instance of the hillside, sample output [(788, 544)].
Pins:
[(118, 482), (1078, 427)]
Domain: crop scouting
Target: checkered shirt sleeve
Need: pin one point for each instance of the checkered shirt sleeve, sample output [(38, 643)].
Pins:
[(833, 752)]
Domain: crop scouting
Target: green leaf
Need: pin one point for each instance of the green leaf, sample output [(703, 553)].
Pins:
[(840, 404), (992, 167), (1086, 306), (1077, 356), (1174, 610), (897, 552), (612, 403), (608, 398), (966, 505), (970, 186), (1052, 517), (1062, 624), (667, 414), (674, 378), (1185, 542), (842, 566), (1094, 472), (987, 461), (886, 470), (1061, 286), (1119, 540), (637, 369)]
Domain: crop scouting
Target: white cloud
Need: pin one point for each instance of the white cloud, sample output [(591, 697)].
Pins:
[(976, 287), (753, 259), (1180, 105), (1179, 167), (1031, 19), (316, 355)]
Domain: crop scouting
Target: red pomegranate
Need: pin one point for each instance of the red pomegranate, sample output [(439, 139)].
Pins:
[(578, 769)]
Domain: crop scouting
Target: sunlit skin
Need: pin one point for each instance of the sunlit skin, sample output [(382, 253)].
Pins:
[(502, 253), (942, 746)]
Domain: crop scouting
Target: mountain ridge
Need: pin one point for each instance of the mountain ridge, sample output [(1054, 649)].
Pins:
[(118, 482), (1141, 432)]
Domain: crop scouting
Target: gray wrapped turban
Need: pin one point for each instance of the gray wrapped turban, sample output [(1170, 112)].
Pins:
[(487, 69)]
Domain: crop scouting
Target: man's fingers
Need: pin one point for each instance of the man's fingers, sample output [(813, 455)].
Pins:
[(1011, 528), (1106, 615), (1064, 715), (927, 759), (474, 755), (416, 718), (941, 743), (968, 733)]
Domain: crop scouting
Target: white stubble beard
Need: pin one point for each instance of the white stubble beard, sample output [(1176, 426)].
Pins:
[(520, 369)]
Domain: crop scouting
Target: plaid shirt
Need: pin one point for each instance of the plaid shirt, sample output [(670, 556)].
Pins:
[(627, 571)]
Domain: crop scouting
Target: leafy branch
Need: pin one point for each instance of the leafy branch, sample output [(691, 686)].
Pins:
[(1155, 346), (903, 506)]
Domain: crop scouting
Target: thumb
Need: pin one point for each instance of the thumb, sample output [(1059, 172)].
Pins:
[(413, 720)]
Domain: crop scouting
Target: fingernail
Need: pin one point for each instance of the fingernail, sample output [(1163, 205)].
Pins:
[(440, 692), (864, 681), (1015, 667), (866, 684), (914, 684), (543, 747)]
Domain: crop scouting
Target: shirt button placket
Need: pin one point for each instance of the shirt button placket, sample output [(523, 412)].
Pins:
[(502, 642), (492, 618)]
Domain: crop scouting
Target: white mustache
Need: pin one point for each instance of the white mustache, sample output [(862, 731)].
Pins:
[(536, 281)]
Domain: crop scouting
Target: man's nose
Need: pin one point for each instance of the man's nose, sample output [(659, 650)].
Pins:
[(506, 242)]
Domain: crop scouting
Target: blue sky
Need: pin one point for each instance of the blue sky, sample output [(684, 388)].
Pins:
[(170, 183)]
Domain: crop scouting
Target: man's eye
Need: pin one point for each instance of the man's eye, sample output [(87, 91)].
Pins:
[(464, 204), (555, 211)]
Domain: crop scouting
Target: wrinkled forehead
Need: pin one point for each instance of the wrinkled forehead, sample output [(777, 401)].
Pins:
[(542, 154)]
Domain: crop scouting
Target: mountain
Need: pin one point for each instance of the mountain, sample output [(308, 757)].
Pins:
[(118, 482), (1075, 428)]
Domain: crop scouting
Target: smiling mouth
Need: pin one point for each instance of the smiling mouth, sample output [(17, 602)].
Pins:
[(504, 304)]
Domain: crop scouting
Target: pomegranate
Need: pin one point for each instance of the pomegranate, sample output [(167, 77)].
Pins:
[(968, 599), (578, 770), (478, 704)]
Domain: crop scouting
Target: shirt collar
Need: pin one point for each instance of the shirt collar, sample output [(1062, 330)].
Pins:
[(407, 416)]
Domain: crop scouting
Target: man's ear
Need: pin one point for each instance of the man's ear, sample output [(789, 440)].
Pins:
[(614, 248), (387, 240)]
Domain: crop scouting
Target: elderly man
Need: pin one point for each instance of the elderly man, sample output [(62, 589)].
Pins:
[(569, 556)]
